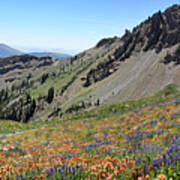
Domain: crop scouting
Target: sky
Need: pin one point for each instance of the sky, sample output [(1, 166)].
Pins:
[(70, 26)]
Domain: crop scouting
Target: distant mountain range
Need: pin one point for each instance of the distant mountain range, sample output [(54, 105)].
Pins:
[(6, 51), (50, 54)]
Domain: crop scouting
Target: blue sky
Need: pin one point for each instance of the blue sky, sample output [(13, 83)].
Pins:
[(70, 25)]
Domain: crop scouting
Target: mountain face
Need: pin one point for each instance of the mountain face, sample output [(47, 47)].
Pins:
[(159, 32), (20, 67), (50, 54), (12, 63), (143, 60), (6, 51), (139, 63)]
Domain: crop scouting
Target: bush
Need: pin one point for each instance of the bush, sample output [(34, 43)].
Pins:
[(44, 78), (168, 90), (50, 96)]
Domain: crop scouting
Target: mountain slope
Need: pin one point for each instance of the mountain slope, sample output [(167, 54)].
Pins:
[(18, 68), (139, 63), (126, 141), (6, 51)]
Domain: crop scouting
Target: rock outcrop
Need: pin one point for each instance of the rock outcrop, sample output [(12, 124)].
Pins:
[(22, 62), (158, 32)]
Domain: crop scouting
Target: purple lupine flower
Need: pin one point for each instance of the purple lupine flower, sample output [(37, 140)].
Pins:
[(145, 168), (165, 159), (155, 164), (73, 169), (77, 166), (55, 167), (60, 171), (64, 166)]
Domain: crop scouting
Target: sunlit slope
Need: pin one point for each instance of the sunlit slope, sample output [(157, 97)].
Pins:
[(101, 144), (138, 64)]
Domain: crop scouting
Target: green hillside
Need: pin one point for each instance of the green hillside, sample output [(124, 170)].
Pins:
[(131, 140), (117, 69), (111, 112)]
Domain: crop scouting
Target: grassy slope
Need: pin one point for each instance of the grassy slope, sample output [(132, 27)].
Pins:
[(104, 142), (167, 94), (121, 86), (67, 75)]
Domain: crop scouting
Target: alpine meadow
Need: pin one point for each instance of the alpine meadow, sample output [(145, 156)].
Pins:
[(110, 112)]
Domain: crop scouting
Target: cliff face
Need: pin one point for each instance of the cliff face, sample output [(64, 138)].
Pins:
[(157, 32), (161, 31)]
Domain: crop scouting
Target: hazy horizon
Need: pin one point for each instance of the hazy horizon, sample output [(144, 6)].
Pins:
[(70, 26)]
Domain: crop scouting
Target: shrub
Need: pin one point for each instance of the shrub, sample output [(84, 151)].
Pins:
[(50, 96), (44, 78), (168, 90)]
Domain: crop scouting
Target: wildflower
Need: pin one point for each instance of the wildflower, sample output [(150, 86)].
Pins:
[(121, 169), (127, 175), (60, 171), (147, 177), (134, 174), (161, 177), (116, 171), (124, 165), (110, 176), (150, 168), (140, 178)]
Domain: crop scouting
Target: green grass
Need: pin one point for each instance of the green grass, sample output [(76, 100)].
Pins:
[(40, 90), (123, 107), (128, 140), (98, 112)]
